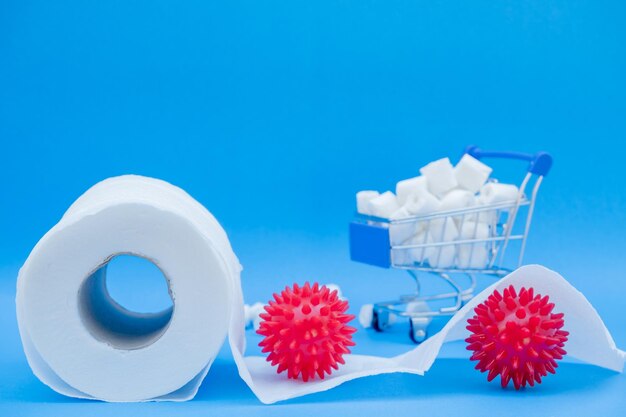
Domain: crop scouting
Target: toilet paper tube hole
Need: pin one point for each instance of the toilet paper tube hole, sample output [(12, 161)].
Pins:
[(110, 322)]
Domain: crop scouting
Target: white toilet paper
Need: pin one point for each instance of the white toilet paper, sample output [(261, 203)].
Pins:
[(423, 203), (474, 256), (443, 230), (440, 176), (405, 188), (473, 230), (335, 287), (384, 205), (401, 213), (83, 344), (457, 199), (366, 314), (495, 192), (251, 313), (443, 256), (421, 254), (363, 199), (471, 174), (400, 232)]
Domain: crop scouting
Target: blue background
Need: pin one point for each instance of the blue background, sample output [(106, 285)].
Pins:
[(273, 114)]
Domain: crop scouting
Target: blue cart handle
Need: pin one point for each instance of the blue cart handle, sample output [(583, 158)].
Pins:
[(540, 162)]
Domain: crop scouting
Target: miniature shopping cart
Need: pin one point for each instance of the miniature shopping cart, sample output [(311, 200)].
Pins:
[(482, 250)]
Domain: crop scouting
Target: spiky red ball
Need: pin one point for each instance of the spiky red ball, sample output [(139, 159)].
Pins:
[(516, 336), (305, 331)]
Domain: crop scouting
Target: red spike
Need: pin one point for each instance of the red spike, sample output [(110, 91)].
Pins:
[(510, 303), (517, 336), (545, 310), (305, 331), (489, 346), (492, 330), (523, 297), (515, 362), (534, 321)]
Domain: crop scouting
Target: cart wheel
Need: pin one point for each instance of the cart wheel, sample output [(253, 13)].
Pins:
[(380, 320), (418, 329)]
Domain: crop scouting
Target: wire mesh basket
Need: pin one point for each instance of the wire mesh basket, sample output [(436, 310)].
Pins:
[(455, 246)]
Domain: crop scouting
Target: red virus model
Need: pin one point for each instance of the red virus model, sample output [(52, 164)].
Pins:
[(516, 336), (305, 331)]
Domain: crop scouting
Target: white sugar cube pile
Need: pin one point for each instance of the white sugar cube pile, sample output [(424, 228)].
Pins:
[(441, 187)]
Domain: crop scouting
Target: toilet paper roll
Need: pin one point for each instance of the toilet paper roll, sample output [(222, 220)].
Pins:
[(471, 174), (251, 313), (400, 232), (474, 256), (411, 186), (80, 342), (443, 229), (422, 203), (440, 176), (473, 230), (421, 254), (363, 199), (495, 192), (443, 256), (457, 199), (401, 257), (384, 205)]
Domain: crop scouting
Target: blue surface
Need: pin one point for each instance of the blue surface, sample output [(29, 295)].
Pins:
[(273, 114)]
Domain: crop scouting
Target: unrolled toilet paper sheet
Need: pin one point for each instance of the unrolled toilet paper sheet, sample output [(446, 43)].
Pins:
[(589, 341), (61, 297)]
